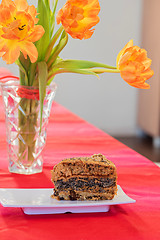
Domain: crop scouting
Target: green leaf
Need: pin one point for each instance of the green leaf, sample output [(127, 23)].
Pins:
[(25, 62), (47, 3), (55, 6), (43, 75), (80, 71), (44, 20), (23, 73), (53, 16), (58, 48), (52, 43), (81, 64)]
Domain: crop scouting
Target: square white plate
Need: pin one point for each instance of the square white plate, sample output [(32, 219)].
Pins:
[(39, 201)]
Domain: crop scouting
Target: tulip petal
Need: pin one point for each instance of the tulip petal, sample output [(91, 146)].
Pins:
[(21, 5), (2, 44), (12, 53), (147, 63), (33, 12), (128, 45), (9, 34), (124, 58), (147, 74), (28, 48), (142, 85), (37, 33), (5, 14), (128, 77), (7, 3)]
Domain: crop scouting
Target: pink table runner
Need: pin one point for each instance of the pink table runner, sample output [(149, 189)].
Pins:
[(68, 136)]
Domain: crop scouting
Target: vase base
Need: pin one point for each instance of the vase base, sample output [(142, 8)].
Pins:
[(27, 171), (36, 167)]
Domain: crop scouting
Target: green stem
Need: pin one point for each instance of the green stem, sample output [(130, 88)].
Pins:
[(32, 74), (27, 130), (22, 77), (27, 122), (101, 70)]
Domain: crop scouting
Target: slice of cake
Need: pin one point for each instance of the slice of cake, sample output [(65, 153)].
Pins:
[(85, 178)]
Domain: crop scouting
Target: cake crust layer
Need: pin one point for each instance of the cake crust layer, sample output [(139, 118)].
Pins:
[(94, 165)]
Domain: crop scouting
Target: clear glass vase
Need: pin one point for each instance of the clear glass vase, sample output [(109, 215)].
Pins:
[(25, 138)]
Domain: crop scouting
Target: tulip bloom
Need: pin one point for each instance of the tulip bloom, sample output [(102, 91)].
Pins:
[(134, 66), (78, 17), (18, 30)]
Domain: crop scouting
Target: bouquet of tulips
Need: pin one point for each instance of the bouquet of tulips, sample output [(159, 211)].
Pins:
[(28, 38)]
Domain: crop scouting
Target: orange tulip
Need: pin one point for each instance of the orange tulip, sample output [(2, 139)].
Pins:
[(134, 66), (78, 17), (18, 30)]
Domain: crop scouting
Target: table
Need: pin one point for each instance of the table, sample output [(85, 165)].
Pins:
[(68, 136)]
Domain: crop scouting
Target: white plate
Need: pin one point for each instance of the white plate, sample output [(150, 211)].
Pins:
[(39, 201)]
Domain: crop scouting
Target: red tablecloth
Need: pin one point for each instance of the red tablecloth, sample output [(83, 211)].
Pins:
[(68, 136)]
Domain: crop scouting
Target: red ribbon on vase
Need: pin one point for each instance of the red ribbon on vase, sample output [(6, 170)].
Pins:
[(22, 91), (7, 78)]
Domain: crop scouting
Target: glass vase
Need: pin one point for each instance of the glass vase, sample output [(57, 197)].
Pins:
[(26, 137)]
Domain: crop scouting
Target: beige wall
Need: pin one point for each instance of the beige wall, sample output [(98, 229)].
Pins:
[(149, 101)]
